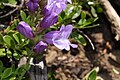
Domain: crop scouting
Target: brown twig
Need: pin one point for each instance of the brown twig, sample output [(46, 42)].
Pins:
[(16, 8), (112, 17)]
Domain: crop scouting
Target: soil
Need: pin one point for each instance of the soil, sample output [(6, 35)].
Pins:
[(76, 63)]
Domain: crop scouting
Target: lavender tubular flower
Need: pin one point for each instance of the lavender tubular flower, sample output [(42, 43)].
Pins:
[(60, 38), (51, 12), (48, 21), (32, 5), (55, 6), (25, 29), (40, 47)]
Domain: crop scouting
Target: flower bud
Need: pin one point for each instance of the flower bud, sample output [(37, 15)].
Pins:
[(40, 47), (48, 21), (32, 5), (25, 29)]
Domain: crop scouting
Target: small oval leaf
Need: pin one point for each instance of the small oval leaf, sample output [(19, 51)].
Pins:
[(92, 75), (9, 41), (23, 15), (7, 72)]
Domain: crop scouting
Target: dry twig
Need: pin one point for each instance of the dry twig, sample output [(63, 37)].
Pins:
[(112, 16), (12, 11)]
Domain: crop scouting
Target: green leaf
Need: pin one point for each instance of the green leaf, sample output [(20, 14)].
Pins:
[(13, 78), (1, 39), (7, 72), (83, 15), (10, 27), (83, 27), (13, 67), (23, 15), (28, 20), (25, 68), (60, 19), (76, 12), (92, 75), (16, 56), (1, 64), (81, 21), (93, 12), (17, 37), (24, 52), (9, 41), (26, 42), (90, 21), (13, 26), (99, 9), (79, 38), (9, 54), (16, 21), (69, 9), (1, 6), (12, 2), (1, 67), (20, 71), (62, 15), (2, 52)]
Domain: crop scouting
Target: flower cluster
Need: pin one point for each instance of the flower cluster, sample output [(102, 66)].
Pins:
[(57, 38), (51, 12)]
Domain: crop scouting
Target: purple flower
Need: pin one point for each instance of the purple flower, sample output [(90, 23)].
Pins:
[(40, 47), (25, 29), (51, 12), (55, 6), (32, 5), (60, 38), (48, 21)]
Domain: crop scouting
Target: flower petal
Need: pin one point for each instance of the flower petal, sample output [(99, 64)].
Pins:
[(50, 36), (66, 31), (73, 45), (62, 44)]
